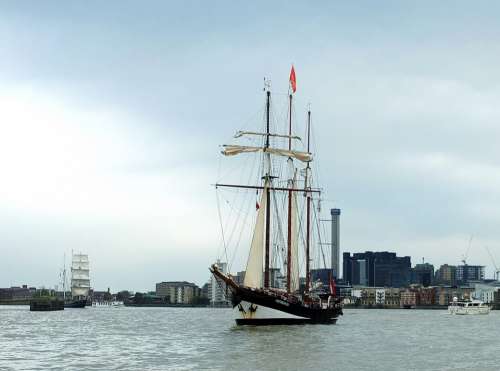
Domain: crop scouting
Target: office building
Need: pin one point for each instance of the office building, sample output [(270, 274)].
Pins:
[(218, 293), (446, 275), (178, 292), (469, 273), (380, 269), (423, 274)]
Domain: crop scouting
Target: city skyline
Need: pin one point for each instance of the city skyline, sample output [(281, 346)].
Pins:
[(112, 117)]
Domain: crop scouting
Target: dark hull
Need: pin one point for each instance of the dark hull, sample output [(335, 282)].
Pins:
[(284, 309), (308, 312), (277, 321), (44, 305), (76, 303)]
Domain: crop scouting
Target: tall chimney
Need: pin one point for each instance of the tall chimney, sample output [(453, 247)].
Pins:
[(335, 256)]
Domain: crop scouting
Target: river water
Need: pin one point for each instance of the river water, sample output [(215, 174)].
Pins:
[(202, 338)]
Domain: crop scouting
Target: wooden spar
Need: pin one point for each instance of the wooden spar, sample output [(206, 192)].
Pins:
[(270, 188), (241, 133), (289, 245), (268, 242), (268, 104), (268, 197), (308, 228), (308, 208), (289, 234), (290, 125)]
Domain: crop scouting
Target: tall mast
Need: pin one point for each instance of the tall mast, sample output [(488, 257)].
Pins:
[(289, 234), (268, 193), (308, 203), (64, 277)]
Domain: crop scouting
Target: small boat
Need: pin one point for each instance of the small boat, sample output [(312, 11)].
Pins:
[(462, 307)]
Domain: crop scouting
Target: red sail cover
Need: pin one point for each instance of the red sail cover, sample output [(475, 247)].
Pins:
[(293, 81)]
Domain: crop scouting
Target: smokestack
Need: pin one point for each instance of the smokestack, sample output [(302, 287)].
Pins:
[(335, 256)]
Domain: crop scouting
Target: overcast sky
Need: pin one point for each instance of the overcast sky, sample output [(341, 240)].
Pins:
[(111, 114)]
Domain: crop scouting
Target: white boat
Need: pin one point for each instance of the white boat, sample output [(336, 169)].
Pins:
[(108, 304), (462, 307)]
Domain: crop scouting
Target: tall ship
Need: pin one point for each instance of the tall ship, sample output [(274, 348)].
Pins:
[(284, 231), (80, 282)]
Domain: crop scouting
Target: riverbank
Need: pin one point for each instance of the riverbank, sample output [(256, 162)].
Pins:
[(15, 302)]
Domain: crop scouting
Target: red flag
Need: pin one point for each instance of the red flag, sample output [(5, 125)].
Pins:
[(293, 81), (332, 286), (257, 206)]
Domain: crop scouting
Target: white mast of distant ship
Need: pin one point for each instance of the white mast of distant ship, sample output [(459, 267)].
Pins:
[(258, 259)]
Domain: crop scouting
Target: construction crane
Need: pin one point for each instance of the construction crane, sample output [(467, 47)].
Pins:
[(497, 271), (464, 256)]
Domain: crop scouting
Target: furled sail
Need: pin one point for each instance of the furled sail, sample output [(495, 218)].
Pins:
[(253, 274), (80, 279), (294, 259), (232, 150)]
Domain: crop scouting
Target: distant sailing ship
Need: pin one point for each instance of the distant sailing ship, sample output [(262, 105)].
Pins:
[(80, 282), (284, 211)]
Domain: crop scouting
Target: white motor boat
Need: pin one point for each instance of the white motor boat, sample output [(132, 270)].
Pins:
[(462, 307)]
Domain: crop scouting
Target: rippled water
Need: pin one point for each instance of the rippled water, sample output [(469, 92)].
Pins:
[(202, 338)]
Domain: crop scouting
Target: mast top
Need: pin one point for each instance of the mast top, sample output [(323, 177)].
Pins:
[(267, 85)]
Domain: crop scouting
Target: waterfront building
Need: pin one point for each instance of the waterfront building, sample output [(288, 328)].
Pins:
[(392, 297), (385, 297), (423, 274), (335, 255), (345, 292), (101, 296), (446, 275), (380, 296), (486, 292), (426, 296), (368, 297), (408, 298), (17, 293), (444, 294), (381, 269), (469, 273), (204, 290), (218, 293), (376, 297), (178, 292)]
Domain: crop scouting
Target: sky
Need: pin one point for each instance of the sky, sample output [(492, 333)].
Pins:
[(112, 114)]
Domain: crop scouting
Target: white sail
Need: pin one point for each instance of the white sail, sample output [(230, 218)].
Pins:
[(253, 274), (80, 278), (294, 259), (232, 150)]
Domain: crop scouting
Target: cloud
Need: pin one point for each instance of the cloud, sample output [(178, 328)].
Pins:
[(91, 176), (110, 121)]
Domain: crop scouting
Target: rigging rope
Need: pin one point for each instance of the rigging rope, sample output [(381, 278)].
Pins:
[(319, 235), (221, 226)]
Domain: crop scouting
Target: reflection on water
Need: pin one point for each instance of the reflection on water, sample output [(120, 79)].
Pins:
[(203, 338)]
